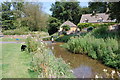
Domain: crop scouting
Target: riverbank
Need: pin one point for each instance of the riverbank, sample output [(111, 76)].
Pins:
[(17, 64), (82, 65), (46, 64)]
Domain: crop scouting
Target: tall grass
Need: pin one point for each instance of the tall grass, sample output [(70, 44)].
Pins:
[(104, 50), (45, 64)]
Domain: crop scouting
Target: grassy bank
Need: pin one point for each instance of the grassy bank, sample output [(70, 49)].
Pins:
[(15, 63), (44, 63), (99, 44)]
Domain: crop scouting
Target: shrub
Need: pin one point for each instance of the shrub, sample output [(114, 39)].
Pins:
[(84, 25), (64, 38), (95, 25), (66, 27), (18, 31), (31, 44)]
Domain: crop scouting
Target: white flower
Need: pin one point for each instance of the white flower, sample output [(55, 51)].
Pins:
[(71, 71), (118, 73), (113, 72), (96, 76), (105, 70)]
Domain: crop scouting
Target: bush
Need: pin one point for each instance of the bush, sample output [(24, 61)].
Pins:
[(47, 39), (31, 45), (102, 32), (100, 49), (66, 27), (94, 25), (64, 38), (84, 25), (18, 31)]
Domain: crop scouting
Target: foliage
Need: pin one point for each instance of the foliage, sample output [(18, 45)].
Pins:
[(45, 64), (95, 25), (66, 11), (23, 14), (35, 18), (65, 38), (96, 48), (99, 44), (10, 15), (84, 25), (18, 31), (54, 24), (66, 27), (113, 10), (102, 32), (46, 39), (31, 44), (99, 7)]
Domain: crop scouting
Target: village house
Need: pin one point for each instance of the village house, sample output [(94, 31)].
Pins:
[(96, 18), (73, 27)]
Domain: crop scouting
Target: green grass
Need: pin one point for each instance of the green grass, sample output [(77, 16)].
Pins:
[(15, 64), (12, 39)]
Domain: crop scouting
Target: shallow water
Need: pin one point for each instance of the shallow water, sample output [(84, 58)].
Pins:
[(82, 65)]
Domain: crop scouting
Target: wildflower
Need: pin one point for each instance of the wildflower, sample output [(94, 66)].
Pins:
[(118, 73), (39, 49), (113, 72), (71, 71), (96, 76), (105, 70)]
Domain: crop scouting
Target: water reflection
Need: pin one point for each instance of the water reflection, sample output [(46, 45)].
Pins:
[(82, 65)]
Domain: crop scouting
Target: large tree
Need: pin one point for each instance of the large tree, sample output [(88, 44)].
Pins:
[(7, 15), (66, 11), (114, 10), (99, 7), (34, 16), (53, 24), (10, 12)]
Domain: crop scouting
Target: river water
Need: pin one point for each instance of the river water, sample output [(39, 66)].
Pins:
[(82, 65)]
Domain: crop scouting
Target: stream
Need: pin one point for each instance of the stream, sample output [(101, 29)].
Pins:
[(82, 65)]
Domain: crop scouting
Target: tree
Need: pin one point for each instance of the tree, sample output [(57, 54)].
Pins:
[(114, 10), (66, 11), (66, 27), (7, 22), (9, 15), (53, 24), (99, 7), (33, 17)]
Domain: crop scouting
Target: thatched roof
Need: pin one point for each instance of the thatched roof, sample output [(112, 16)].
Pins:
[(94, 18), (68, 23)]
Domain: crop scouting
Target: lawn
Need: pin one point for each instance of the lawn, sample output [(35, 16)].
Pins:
[(15, 64)]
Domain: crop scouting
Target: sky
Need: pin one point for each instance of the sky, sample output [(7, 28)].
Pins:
[(47, 4)]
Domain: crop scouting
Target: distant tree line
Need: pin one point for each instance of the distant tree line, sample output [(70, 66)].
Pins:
[(23, 14)]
